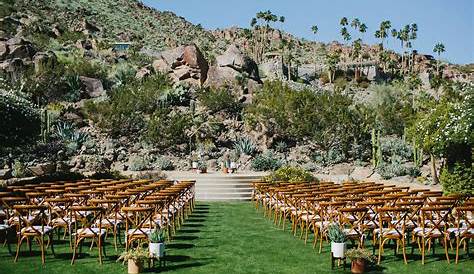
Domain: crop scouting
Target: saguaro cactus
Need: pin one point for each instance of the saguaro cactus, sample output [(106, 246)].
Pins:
[(376, 148), (45, 125)]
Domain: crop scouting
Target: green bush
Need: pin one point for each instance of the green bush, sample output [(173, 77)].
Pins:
[(167, 129), (392, 146), (20, 119), (165, 163), (395, 168), (268, 160), (124, 114), (328, 119), (330, 157), (217, 100), (138, 163), (290, 174), (460, 180)]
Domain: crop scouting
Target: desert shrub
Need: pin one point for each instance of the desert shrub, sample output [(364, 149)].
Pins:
[(268, 160), (217, 100), (396, 168), (20, 119), (138, 163), (390, 109), (324, 78), (20, 170), (328, 119), (175, 96), (392, 146), (166, 128), (329, 157), (459, 180), (124, 113), (165, 163), (245, 146), (290, 174), (340, 84), (82, 66), (123, 73)]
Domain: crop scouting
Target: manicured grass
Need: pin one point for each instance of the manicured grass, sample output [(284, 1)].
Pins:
[(230, 238)]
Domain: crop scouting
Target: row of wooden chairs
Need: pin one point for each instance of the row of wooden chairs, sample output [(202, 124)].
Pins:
[(368, 210), (92, 210)]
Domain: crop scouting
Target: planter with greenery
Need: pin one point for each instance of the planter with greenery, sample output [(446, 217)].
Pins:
[(338, 241), (360, 258), (201, 167), (157, 243), (135, 258)]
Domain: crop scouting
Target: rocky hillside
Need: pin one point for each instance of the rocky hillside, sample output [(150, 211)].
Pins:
[(100, 86)]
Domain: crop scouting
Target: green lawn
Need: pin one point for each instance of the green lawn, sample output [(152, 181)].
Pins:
[(229, 238)]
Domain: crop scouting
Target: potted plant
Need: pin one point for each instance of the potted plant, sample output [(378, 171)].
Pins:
[(360, 258), (233, 161), (194, 162), (157, 243), (226, 164), (135, 258), (338, 241), (201, 167)]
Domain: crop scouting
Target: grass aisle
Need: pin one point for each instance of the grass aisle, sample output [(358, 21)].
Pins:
[(229, 238)]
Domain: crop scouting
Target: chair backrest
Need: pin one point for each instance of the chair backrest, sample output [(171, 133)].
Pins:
[(435, 217), (465, 220), (33, 217), (395, 218)]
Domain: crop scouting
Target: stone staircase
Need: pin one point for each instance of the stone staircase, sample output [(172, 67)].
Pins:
[(219, 186)]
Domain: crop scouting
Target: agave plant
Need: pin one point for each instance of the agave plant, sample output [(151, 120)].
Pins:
[(245, 146), (157, 236)]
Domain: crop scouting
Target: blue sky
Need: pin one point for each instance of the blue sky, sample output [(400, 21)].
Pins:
[(447, 21)]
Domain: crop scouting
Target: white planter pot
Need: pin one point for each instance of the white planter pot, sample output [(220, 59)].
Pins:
[(157, 249), (194, 165), (338, 249), (233, 165)]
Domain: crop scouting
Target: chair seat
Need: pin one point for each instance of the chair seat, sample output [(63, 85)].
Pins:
[(388, 232), (460, 231), (427, 232), (350, 232), (309, 217), (90, 231), (4, 227), (109, 222), (37, 229), (142, 231), (62, 221), (322, 224)]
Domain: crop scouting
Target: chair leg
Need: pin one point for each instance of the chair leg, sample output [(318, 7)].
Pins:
[(404, 250), (423, 250), (99, 246), (457, 249), (446, 248), (20, 241), (43, 259), (76, 243)]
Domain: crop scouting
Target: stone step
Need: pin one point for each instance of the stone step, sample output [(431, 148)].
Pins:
[(223, 196), (226, 199), (223, 190)]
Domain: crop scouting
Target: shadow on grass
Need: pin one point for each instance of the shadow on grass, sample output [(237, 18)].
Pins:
[(180, 246)]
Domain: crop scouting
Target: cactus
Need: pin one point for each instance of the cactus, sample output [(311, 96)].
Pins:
[(417, 155), (376, 148), (45, 125)]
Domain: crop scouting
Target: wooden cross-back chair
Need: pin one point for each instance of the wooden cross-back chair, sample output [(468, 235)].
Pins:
[(112, 219), (392, 226), (138, 224), (87, 227), (352, 220), (328, 211), (33, 225), (464, 230), (59, 217), (434, 220)]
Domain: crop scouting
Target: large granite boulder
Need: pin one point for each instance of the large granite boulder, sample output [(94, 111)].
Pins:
[(183, 64), (93, 86)]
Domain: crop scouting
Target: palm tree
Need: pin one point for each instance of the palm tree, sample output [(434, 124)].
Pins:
[(355, 23), (343, 21), (412, 37), (438, 48), (345, 34), (315, 30), (332, 61), (382, 32)]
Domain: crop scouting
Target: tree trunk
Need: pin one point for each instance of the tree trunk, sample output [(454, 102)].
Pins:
[(434, 173)]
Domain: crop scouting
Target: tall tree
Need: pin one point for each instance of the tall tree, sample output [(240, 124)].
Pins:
[(315, 30), (438, 49), (382, 32)]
